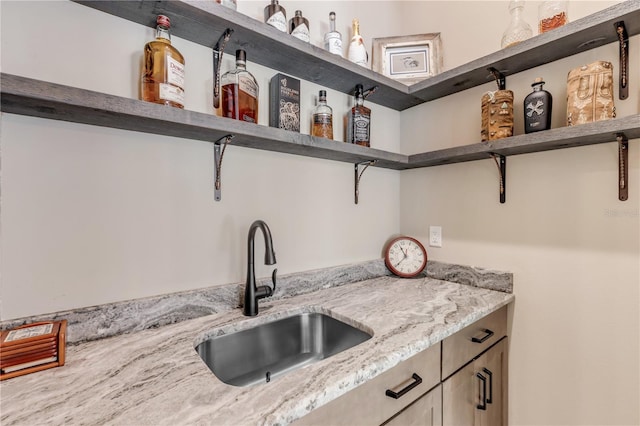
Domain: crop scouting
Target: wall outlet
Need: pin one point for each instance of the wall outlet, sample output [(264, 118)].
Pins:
[(435, 236)]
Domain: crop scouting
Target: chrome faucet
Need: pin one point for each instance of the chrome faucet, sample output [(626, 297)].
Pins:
[(252, 293)]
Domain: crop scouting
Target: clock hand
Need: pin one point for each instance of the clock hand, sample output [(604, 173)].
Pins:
[(401, 260)]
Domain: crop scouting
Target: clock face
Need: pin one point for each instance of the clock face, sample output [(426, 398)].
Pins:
[(405, 257)]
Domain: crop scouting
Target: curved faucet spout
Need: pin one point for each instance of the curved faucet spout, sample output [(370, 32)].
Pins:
[(251, 293)]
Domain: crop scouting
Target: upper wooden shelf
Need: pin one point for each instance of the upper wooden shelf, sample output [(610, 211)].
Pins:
[(22, 95), (203, 22)]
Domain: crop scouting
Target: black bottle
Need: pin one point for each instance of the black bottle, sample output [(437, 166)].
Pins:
[(537, 108)]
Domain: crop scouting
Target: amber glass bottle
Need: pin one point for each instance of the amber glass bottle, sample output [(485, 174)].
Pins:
[(163, 69), (322, 123), (240, 91)]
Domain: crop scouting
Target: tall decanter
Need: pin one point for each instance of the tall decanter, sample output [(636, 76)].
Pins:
[(276, 16), (240, 91), (537, 108), (162, 80), (518, 30), (333, 39), (357, 51)]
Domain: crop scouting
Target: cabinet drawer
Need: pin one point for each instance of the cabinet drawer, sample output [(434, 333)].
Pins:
[(369, 404), (469, 342)]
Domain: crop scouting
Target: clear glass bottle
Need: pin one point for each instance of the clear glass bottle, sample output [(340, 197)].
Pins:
[(333, 39), (551, 15), (359, 120), (276, 16), (240, 91), (537, 108), (162, 80), (231, 4), (299, 27), (322, 122), (357, 51), (518, 30)]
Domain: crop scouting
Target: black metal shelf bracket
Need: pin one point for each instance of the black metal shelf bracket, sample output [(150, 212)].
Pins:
[(623, 167), (501, 163), (358, 175), (500, 79), (218, 51), (623, 39), (218, 152)]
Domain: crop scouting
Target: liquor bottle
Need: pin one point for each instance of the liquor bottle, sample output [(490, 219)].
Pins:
[(322, 124), (551, 15), (359, 120), (357, 51), (240, 91), (276, 16), (299, 27), (333, 39), (518, 30), (163, 69), (537, 108)]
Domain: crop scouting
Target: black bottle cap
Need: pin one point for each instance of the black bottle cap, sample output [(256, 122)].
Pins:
[(322, 93), (359, 90), (241, 55)]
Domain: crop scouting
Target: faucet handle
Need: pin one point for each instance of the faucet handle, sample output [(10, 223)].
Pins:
[(273, 279)]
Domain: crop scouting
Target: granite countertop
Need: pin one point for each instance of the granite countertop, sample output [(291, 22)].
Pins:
[(156, 377)]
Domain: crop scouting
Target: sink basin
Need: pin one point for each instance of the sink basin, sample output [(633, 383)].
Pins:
[(264, 352)]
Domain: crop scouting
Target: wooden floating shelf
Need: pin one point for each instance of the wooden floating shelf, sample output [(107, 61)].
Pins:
[(203, 22), (25, 96)]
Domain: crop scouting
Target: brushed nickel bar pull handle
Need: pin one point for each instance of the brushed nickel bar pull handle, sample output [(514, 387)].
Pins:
[(490, 374), (488, 334), (483, 399), (395, 395)]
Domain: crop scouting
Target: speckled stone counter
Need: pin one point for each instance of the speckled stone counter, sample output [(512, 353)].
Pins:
[(155, 376)]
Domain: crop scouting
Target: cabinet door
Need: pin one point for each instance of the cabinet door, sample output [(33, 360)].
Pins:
[(426, 411), (493, 367), (477, 394)]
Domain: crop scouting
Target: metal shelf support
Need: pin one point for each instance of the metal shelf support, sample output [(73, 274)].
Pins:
[(501, 163), (623, 167), (358, 175), (218, 152)]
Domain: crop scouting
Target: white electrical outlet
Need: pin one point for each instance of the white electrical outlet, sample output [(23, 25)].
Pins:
[(435, 236)]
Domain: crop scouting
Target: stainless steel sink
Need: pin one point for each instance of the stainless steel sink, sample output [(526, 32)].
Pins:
[(264, 352)]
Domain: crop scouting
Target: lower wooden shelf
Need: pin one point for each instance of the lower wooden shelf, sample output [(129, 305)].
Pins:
[(26, 96)]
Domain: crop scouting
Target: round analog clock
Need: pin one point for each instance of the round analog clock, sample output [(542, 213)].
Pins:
[(405, 257)]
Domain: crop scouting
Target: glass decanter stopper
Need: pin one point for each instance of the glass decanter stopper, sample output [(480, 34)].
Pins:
[(518, 30)]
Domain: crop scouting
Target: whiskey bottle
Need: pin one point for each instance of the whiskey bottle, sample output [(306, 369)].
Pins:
[(240, 91), (322, 123), (357, 51), (162, 79), (333, 39), (537, 108), (276, 16), (299, 27), (359, 120)]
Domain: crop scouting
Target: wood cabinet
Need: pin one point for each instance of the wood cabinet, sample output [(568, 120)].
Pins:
[(370, 404), (426, 411), (477, 394), (475, 374), (466, 371)]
